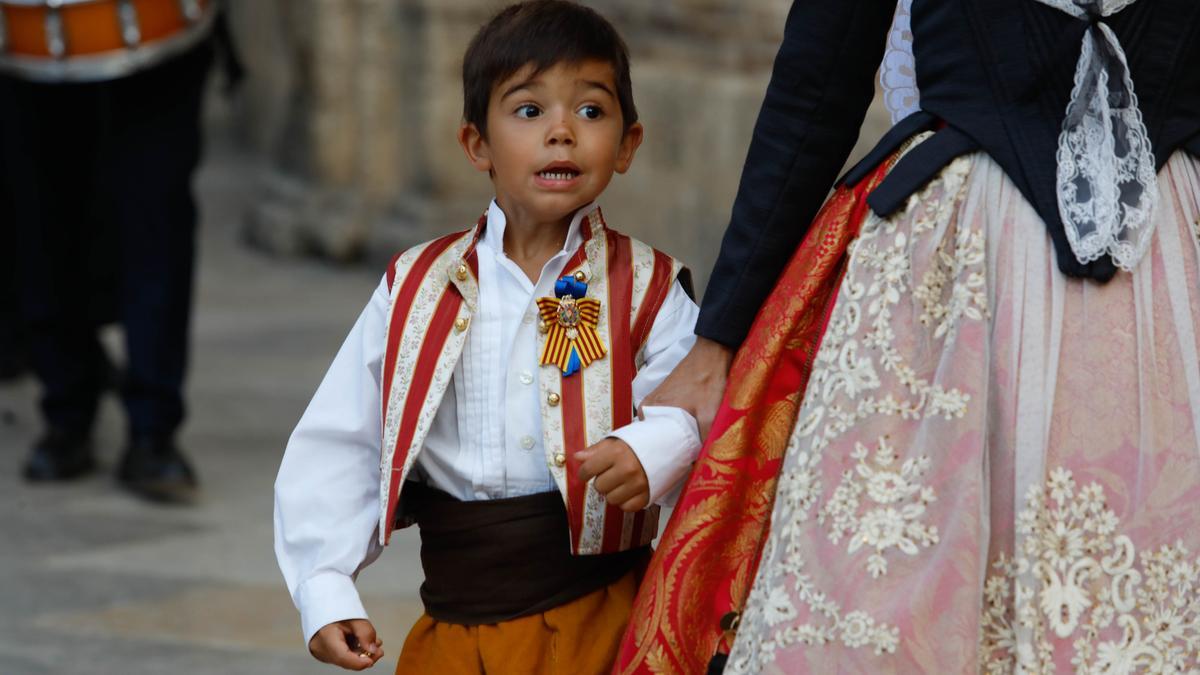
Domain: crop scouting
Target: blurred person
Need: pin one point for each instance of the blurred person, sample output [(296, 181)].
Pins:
[(13, 358), (102, 103), (503, 365), (962, 430)]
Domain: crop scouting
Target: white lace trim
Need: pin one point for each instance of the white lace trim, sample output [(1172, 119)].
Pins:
[(898, 74), (1107, 183)]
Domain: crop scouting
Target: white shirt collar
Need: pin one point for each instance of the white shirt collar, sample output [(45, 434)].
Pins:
[(493, 234)]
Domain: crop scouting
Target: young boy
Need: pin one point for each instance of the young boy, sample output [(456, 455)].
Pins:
[(488, 391)]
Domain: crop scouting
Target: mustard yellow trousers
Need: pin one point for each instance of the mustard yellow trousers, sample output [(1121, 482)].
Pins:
[(578, 638)]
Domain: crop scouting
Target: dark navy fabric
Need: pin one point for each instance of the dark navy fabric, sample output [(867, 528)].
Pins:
[(821, 86)]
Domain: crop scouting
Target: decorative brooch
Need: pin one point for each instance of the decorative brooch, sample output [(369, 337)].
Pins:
[(569, 321)]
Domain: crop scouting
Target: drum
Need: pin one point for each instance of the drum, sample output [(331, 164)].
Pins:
[(92, 40)]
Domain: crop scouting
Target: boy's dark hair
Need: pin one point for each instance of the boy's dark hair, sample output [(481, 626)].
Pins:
[(543, 33)]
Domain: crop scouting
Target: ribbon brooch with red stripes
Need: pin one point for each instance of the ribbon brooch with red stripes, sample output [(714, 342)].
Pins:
[(569, 321)]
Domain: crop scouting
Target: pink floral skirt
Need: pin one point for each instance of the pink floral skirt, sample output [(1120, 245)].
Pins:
[(995, 468)]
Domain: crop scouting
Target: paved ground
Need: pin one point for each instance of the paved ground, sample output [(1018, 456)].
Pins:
[(93, 581)]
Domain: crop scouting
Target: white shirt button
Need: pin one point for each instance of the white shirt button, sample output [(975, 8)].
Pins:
[(527, 442), (528, 318), (525, 377)]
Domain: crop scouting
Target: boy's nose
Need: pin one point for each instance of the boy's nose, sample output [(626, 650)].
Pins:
[(561, 134)]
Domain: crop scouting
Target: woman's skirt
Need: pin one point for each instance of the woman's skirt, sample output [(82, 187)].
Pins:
[(992, 468)]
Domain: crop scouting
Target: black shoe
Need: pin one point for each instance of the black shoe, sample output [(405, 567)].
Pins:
[(153, 468), (60, 455)]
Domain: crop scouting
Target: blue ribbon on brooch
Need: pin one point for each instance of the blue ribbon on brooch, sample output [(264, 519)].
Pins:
[(570, 320), (571, 286)]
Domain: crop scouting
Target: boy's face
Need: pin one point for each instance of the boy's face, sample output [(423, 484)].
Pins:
[(554, 139)]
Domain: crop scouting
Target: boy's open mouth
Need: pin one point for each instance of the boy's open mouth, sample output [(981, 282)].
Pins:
[(558, 175), (559, 172)]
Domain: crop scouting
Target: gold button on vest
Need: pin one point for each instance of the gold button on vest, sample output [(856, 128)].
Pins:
[(460, 325), (560, 459), (553, 398)]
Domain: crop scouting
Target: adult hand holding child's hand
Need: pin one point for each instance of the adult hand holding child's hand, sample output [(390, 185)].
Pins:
[(351, 644), (618, 472), (697, 384)]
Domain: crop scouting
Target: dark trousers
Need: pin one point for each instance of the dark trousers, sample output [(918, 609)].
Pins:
[(99, 177), (11, 344)]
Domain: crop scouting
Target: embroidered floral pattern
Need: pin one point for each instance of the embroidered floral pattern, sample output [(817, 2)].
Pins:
[(967, 299), (1076, 579), (859, 375), (899, 501)]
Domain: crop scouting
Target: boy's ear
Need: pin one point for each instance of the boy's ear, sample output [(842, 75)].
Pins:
[(630, 142), (475, 146)]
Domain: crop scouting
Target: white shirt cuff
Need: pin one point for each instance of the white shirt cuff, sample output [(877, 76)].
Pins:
[(325, 598), (667, 443)]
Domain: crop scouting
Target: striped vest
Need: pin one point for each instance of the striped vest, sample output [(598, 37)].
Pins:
[(434, 293)]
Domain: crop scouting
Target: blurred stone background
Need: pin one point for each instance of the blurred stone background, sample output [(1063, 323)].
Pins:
[(355, 105)]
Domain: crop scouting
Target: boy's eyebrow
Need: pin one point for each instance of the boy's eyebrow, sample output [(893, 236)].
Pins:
[(524, 84), (592, 84), (534, 82)]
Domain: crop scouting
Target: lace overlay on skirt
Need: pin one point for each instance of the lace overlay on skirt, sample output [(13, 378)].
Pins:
[(992, 465)]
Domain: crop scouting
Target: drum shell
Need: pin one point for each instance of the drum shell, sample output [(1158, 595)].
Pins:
[(93, 43)]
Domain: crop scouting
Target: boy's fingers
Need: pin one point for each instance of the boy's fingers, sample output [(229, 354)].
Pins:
[(364, 632), (596, 464), (621, 493), (325, 642), (336, 644), (629, 489), (639, 502), (338, 652), (608, 481), (368, 648), (352, 660)]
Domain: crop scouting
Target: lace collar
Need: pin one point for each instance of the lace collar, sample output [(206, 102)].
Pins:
[(1107, 183)]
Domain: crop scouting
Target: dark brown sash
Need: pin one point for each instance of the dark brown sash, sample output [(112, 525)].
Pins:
[(496, 560)]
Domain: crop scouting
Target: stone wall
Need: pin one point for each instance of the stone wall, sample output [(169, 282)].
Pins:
[(356, 104)]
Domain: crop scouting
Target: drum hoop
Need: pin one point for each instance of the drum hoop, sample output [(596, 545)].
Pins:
[(46, 3), (107, 65)]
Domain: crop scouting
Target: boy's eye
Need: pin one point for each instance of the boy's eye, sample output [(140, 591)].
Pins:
[(528, 111), (591, 112)]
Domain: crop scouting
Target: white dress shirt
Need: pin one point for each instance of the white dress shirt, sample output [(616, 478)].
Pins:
[(485, 441)]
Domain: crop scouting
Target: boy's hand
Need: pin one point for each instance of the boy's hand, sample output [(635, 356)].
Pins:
[(350, 644), (618, 472)]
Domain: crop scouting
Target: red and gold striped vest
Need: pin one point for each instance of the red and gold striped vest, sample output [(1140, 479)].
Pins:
[(434, 290)]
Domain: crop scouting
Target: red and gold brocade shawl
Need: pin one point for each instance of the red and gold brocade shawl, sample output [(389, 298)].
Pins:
[(706, 559)]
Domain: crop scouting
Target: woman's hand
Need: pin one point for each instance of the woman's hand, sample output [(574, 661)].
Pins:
[(697, 383)]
